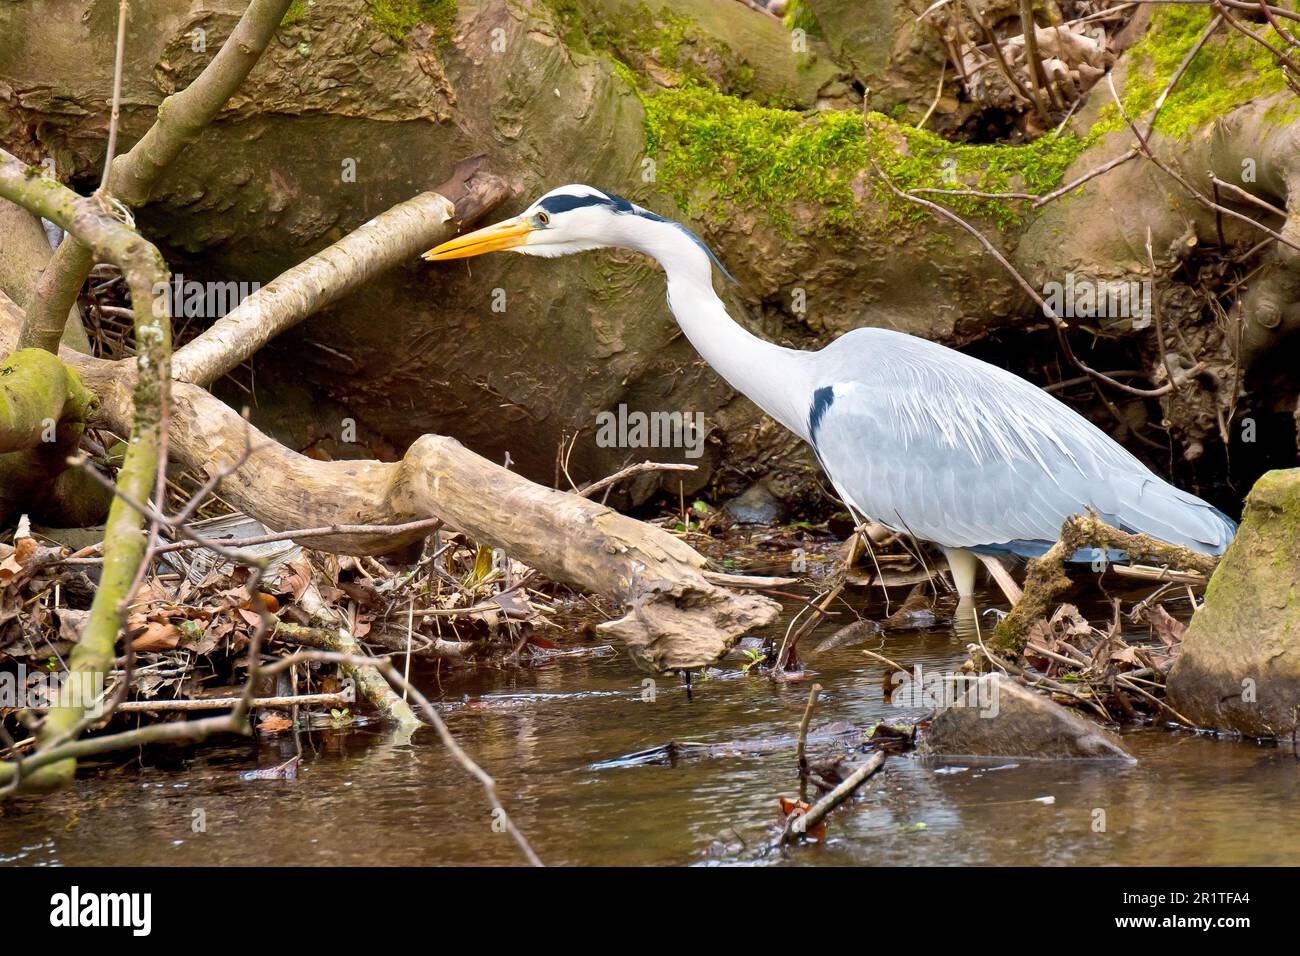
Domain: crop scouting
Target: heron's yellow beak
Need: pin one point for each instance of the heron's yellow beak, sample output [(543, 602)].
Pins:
[(503, 235)]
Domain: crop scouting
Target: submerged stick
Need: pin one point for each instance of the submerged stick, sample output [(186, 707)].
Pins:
[(813, 693), (799, 825)]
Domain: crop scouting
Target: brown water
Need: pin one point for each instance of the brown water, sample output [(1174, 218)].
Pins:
[(553, 736)]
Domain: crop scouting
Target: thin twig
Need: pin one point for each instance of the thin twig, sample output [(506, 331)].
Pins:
[(598, 486), (119, 57), (1178, 74), (799, 824), (802, 750)]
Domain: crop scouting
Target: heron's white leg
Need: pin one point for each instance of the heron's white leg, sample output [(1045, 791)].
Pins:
[(962, 563)]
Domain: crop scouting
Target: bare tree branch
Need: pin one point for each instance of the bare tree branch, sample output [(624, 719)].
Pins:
[(130, 177), (144, 270)]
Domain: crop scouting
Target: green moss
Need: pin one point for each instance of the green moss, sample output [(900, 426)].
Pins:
[(799, 16), (296, 13), (665, 37), (1231, 69), (716, 151), (397, 17), (572, 24), (640, 37)]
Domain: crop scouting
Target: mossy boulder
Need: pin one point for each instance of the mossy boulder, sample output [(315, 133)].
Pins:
[(894, 56), (1240, 666), (794, 208), (669, 43)]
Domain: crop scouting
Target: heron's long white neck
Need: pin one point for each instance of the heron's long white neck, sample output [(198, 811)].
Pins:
[(774, 378)]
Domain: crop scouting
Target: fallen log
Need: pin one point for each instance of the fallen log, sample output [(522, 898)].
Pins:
[(676, 618)]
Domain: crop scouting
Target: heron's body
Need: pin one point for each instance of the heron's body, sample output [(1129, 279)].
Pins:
[(914, 435)]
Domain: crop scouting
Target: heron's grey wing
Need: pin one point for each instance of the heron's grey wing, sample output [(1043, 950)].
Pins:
[(956, 451)]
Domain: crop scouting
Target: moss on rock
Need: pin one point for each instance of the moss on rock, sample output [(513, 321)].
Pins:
[(1229, 71), (1240, 666), (659, 44), (717, 150), (397, 17), (43, 411)]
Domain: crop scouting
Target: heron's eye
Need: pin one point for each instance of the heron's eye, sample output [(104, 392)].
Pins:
[(543, 219)]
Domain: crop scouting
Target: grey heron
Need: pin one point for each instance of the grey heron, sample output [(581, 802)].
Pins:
[(919, 437)]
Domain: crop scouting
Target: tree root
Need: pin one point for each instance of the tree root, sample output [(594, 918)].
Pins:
[(1046, 579)]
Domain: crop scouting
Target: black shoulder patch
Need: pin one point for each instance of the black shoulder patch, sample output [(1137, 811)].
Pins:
[(822, 399)]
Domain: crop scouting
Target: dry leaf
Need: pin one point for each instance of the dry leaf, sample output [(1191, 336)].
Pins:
[(273, 723), (1165, 626), (251, 618), (10, 567), (269, 601), (363, 592), (71, 622), (792, 808), (295, 579), (25, 550), (1126, 655), (157, 636)]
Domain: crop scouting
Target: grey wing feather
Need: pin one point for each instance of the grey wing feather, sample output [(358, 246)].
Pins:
[(956, 451)]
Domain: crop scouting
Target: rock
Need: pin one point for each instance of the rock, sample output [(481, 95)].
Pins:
[(892, 55), (668, 42), (744, 648), (1000, 717), (914, 613), (757, 505), (1240, 664)]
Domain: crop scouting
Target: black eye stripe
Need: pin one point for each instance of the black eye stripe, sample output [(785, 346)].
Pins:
[(564, 202)]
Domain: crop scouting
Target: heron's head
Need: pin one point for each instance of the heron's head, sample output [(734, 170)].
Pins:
[(572, 219)]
